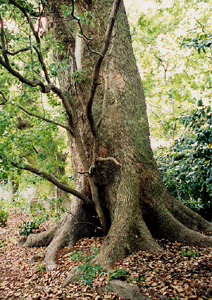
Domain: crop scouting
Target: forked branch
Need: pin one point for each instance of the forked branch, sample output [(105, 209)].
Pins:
[(4, 61), (37, 38)]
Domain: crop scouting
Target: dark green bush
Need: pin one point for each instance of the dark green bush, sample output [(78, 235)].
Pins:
[(186, 166)]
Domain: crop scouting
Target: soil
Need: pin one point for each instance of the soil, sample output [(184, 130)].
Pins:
[(178, 272)]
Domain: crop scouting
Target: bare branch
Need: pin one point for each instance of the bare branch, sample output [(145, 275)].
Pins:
[(16, 52), (54, 180), (164, 65), (202, 27), (161, 122), (66, 104), (44, 119), (88, 45), (4, 99), (160, 108), (78, 21)]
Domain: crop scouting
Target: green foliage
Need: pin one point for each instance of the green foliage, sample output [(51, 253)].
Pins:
[(3, 244), (37, 142), (186, 166), (136, 279), (27, 228), (3, 217), (200, 42), (189, 253), (117, 274), (174, 77), (77, 76), (40, 214), (41, 268), (87, 269)]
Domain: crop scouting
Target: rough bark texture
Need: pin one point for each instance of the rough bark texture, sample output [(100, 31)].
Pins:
[(135, 204)]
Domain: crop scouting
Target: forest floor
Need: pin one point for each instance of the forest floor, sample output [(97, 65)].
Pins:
[(179, 272)]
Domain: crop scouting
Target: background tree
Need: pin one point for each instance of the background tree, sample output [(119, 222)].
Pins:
[(102, 106), (174, 77)]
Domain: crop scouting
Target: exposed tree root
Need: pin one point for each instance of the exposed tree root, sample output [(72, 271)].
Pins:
[(189, 218), (128, 233), (67, 231), (169, 227), (43, 239), (123, 239)]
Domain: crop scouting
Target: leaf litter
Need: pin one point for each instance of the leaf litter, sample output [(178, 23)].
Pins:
[(179, 272)]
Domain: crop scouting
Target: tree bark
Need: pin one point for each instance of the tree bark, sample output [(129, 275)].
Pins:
[(112, 159)]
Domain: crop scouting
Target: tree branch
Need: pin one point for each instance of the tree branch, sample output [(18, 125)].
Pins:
[(79, 23), (32, 83), (161, 122), (4, 99), (98, 63), (37, 38), (4, 52), (43, 66), (17, 52), (164, 65), (88, 45), (53, 180), (202, 27), (160, 108), (36, 82), (44, 88), (44, 119)]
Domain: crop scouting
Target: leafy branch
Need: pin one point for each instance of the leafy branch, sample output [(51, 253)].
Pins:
[(37, 38)]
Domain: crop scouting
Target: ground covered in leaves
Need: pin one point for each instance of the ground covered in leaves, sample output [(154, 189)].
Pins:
[(179, 272)]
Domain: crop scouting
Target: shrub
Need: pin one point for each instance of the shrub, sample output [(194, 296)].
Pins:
[(88, 270), (3, 217), (27, 228), (186, 166)]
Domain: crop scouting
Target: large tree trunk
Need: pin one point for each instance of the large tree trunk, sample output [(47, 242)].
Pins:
[(114, 165)]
